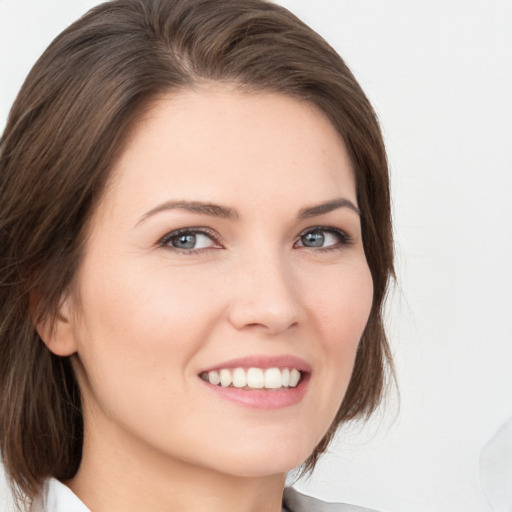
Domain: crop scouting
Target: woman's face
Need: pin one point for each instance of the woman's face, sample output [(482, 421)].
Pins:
[(228, 246)]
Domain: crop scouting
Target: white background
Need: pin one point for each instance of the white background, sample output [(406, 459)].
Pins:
[(439, 74)]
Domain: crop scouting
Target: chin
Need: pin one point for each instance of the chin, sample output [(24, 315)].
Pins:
[(260, 461)]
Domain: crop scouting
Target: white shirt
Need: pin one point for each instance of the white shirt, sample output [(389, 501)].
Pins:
[(57, 497)]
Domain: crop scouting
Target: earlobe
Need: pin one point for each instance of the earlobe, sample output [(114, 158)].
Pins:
[(57, 333)]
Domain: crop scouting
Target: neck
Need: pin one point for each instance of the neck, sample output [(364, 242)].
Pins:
[(119, 472)]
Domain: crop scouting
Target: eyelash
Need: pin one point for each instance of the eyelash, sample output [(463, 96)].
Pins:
[(344, 239), (165, 242)]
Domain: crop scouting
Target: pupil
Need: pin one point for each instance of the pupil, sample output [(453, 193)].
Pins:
[(185, 242), (315, 239)]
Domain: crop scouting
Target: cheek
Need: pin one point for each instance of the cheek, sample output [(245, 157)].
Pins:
[(140, 329), (137, 341), (343, 304), (340, 311), (146, 306)]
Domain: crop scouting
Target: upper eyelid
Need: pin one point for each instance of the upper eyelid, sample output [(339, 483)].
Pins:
[(331, 229)]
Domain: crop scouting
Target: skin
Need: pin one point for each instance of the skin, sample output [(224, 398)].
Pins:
[(151, 317)]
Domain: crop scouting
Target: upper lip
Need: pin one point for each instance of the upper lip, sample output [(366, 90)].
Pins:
[(262, 361)]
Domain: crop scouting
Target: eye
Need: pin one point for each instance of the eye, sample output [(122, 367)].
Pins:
[(189, 240), (323, 238)]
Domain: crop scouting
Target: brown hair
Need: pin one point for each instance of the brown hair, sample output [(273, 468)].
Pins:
[(62, 137)]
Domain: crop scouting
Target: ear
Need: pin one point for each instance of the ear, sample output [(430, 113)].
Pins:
[(59, 335)]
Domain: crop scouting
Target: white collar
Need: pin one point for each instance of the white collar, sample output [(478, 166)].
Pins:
[(57, 497)]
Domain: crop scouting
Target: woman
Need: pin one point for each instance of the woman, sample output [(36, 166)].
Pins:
[(195, 248)]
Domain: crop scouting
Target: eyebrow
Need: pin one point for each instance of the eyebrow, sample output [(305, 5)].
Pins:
[(225, 212), (210, 209), (327, 207)]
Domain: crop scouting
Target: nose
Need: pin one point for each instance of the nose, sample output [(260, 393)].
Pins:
[(265, 295)]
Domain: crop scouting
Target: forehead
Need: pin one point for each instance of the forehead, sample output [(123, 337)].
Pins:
[(222, 144)]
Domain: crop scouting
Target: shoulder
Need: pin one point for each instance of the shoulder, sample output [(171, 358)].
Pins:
[(294, 501)]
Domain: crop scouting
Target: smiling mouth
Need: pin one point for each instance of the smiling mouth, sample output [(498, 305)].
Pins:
[(254, 378)]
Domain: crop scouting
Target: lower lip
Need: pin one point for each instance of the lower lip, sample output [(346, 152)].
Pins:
[(261, 398)]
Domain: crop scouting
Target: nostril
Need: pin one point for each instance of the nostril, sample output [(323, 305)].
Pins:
[(264, 315)]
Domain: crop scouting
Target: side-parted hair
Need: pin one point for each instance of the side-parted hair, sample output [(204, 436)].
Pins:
[(63, 135)]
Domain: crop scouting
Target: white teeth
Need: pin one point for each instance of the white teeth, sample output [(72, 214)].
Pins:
[(254, 378), (294, 378), (239, 378), (285, 378), (225, 378), (214, 378), (273, 378)]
